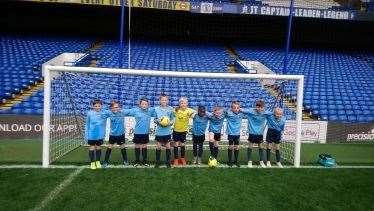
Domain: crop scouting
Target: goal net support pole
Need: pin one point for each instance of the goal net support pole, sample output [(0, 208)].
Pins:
[(51, 71)]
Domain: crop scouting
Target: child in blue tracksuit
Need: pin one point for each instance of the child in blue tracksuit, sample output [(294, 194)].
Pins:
[(142, 116), (163, 132), (276, 123), (256, 125), (216, 120), (234, 120), (200, 123), (95, 132), (117, 131)]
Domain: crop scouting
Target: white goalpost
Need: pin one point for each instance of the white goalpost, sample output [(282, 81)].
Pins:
[(69, 90)]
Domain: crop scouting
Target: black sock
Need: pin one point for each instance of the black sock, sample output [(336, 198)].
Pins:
[(261, 154), (211, 147), (194, 149), (249, 154), (98, 154), (144, 154), (124, 154), (277, 155), (183, 151), (91, 154), (236, 155), (268, 151), (158, 155), (176, 153), (200, 153), (137, 155), (168, 153), (215, 152), (107, 154), (229, 154)]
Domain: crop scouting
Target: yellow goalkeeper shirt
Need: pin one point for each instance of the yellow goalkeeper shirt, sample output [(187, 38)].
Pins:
[(182, 118)]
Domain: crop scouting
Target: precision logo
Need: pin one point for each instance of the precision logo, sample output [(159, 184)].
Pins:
[(368, 136)]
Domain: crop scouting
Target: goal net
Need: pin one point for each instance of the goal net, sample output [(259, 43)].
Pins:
[(69, 92)]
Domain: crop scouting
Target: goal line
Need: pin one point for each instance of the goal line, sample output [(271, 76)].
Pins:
[(17, 166)]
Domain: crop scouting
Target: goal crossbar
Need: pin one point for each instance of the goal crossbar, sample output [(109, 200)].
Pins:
[(49, 70)]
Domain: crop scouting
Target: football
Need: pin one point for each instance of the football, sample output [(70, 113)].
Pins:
[(164, 121), (212, 163)]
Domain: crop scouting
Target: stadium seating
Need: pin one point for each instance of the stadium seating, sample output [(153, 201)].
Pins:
[(21, 59), (31, 105), (166, 56), (169, 56), (338, 86), (207, 92)]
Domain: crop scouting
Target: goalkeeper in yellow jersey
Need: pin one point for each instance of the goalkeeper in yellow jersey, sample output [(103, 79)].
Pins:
[(182, 116)]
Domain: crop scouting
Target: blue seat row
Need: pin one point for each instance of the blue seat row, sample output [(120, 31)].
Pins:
[(21, 58), (338, 86)]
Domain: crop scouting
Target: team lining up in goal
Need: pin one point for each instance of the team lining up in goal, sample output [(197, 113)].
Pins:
[(68, 91), (171, 130)]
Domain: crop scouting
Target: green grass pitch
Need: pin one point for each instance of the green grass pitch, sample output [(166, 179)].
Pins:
[(191, 189), (188, 188), (30, 152)]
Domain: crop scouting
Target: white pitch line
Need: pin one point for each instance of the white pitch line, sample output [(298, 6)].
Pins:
[(337, 167), (20, 166), (188, 166), (52, 195)]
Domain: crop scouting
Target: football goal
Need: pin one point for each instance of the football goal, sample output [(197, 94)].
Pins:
[(69, 91)]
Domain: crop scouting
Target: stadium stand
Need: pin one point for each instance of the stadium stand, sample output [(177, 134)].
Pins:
[(21, 59), (154, 55), (338, 91), (338, 86), (170, 56), (31, 105), (166, 56), (199, 91)]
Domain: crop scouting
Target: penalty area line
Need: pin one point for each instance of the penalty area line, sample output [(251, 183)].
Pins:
[(55, 192)]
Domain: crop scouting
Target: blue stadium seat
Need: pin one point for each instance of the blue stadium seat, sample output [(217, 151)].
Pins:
[(338, 86), (20, 66), (331, 80)]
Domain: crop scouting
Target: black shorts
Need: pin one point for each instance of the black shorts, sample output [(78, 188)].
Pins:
[(233, 139), (273, 136), (179, 136), (198, 139), (117, 139), (217, 136), (141, 138), (97, 142), (163, 139), (258, 139)]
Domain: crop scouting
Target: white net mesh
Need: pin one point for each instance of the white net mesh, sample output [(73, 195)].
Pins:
[(66, 124), (73, 92)]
